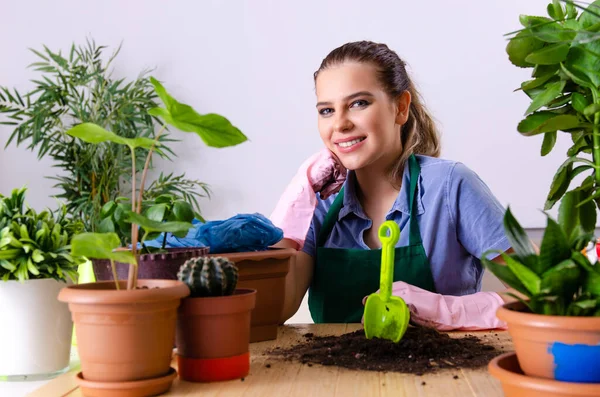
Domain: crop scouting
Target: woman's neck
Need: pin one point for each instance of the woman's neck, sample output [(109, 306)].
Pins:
[(375, 190)]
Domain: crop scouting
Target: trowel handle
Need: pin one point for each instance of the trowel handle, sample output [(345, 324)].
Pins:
[(389, 233)]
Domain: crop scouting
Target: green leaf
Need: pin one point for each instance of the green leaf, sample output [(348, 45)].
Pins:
[(592, 109), (592, 283), (520, 46), (544, 121), (587, 216), (582, 307), (93, 133), (526, 276), (579, 102), (559, 14), (7, 265), (108, 209), (153, 226), (100, 246), (554, 248), (537, 82), (37, 256), (567, 213), (503, 272), (562, 279), (552, 91), (519, 240), (552, 32), (560, 183), (156, 212), (9, 254), (587, 18), (215, 130), (545, 70), (183, 211), (106, 226), (549, 55), (548, 143), (583, 64)]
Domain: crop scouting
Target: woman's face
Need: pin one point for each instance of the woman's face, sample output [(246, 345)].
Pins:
[(358, 121)]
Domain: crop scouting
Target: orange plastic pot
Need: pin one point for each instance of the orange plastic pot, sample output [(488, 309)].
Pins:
[(213, 337), (564, 348)]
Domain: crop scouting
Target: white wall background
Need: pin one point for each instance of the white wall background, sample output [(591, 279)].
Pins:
[(252, 61)]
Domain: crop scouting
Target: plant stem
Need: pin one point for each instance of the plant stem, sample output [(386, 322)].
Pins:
[(114, 272), (164, 240), (596, 139), (132, 276), (146, 165)]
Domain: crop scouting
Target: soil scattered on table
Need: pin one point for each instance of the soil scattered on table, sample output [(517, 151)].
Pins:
[(421, 350)]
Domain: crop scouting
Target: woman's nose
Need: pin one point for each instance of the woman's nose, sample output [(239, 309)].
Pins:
[(342, 123)]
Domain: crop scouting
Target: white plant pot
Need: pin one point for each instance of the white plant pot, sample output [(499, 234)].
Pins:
[(36, 330)]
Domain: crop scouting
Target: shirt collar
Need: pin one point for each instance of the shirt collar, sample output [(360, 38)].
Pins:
[(351, 205)]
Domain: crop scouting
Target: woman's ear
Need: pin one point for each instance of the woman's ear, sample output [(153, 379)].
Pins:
[(402, 107)]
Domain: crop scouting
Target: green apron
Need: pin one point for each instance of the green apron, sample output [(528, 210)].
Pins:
[(343, 277)]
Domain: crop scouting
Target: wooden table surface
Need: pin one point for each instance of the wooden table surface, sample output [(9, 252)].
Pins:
[(290, 379)]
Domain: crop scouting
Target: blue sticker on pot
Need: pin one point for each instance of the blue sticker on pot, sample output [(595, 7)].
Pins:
[(576, 363)]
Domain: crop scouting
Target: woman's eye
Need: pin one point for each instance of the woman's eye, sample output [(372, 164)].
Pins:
[(325, 111), (359, 103)]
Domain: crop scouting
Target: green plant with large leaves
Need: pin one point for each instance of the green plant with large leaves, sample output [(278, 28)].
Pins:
[(564, 52), (36, 245), (215, 130), (560, 280), (78, 88)]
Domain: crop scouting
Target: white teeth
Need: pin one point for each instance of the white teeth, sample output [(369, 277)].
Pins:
[(350, 143)]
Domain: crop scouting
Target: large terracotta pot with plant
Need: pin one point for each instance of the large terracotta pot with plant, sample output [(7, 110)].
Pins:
[(213, 326), (34, 266), (555, 326), (130, 326)]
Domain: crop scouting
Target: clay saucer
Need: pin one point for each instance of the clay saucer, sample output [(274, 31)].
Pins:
[(140, 388), (515, 384)]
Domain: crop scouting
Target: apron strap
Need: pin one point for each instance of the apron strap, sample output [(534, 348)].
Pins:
[(414, 236), (414, 230)]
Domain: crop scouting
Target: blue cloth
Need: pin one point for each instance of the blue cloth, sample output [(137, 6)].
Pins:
[(240, 233), (458, 215)]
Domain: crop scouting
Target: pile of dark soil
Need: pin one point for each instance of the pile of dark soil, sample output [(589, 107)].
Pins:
[(421, 350)]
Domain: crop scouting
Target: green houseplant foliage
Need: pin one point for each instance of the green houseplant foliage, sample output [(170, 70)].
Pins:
[(215, 130), (564, 52), (78, 88), (36, 245), (560, 280)]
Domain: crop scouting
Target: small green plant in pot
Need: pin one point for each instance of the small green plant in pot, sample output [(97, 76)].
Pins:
[(213, 323), (35, 264), (138, 350), (555, 322)]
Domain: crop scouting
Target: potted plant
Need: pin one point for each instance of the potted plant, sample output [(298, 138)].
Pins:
[(213, 323), (126, 330), (154, 262), (35, 263), (555, 322), (78, 87)]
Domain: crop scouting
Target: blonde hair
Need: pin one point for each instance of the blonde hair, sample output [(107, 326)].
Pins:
[(419, 135)]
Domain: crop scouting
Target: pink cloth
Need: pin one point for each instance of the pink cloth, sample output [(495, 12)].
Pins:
[(445, 312), (322, 173)]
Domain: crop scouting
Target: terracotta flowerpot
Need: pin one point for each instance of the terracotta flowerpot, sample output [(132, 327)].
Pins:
[(125, 335), (564, 348), (213, 337), (150, 266), (515, 384), (264, 271)]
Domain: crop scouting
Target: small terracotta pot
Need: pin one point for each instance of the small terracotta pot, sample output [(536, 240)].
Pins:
[(125, 335), (514, 384), (264, 271), (150, 266), (213, 337), (564, 348)]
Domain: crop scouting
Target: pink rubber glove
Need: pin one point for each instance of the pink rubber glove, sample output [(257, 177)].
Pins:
[(445, 312), (322, 173)]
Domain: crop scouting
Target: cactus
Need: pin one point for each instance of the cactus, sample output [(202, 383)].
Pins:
[(207, 276)]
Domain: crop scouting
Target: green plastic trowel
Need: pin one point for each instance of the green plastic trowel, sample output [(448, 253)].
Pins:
[(386, 316)]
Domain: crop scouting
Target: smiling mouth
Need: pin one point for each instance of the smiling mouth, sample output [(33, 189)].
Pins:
[(350, 143)]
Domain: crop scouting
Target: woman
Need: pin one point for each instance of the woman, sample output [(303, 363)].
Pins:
[(373, 124)]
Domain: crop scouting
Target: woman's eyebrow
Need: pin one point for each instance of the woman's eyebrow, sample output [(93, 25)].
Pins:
[(351, 96)]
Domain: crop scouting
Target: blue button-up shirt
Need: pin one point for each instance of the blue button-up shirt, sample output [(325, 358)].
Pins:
[(458, 215)]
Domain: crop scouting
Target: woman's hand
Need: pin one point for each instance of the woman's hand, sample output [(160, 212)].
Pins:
[(321, 173), (445, 312)]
